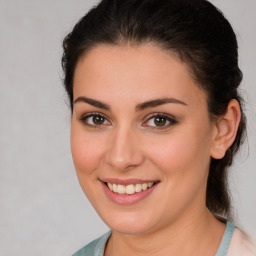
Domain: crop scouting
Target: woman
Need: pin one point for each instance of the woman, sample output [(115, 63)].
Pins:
[(156, 121)]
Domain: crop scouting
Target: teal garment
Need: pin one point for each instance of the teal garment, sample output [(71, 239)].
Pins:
[(97, 247), (226, 239)]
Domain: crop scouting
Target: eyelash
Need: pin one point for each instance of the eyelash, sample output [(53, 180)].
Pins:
[(85, 118), (167, 118)]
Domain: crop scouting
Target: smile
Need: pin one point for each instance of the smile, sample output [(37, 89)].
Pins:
[(127, 192), (129, 189)]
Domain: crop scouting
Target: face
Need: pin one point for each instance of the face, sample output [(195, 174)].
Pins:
[(141, 137)]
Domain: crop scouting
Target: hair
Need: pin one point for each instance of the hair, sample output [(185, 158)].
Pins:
[(198, 33)]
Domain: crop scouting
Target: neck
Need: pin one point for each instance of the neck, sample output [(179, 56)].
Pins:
[(199, 234)]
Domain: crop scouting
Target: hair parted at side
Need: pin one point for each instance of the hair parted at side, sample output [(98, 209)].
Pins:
[(197, 32)]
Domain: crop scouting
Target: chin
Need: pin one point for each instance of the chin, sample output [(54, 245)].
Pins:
[(129, 223)]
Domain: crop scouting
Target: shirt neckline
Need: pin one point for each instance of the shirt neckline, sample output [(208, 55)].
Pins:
[(226, 240), (222, 250)]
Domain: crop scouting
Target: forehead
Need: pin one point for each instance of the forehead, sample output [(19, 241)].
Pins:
[(135, 72)]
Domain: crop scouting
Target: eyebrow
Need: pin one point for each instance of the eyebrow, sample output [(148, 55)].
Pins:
[(139, 107), (93, 102), (158, 102)]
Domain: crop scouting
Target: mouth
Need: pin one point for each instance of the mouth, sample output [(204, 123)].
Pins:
[(128, 191)]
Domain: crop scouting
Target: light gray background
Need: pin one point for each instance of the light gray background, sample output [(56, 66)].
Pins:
[(42, 208)]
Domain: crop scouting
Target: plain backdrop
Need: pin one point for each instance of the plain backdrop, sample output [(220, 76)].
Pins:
[(43, 210)]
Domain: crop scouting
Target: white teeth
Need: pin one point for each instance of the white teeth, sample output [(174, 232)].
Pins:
[(129, 189), (138, 188), (115, 188), (144, 186), (121, 189), (150, 184), (110, 186)]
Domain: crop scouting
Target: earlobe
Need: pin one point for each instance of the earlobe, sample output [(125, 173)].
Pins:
[(225, 130)]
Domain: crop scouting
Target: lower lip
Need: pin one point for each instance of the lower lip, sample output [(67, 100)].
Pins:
[(127, 199)]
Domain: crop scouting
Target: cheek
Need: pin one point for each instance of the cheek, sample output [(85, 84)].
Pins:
[(86, 151), (181, 153), (183, 161)]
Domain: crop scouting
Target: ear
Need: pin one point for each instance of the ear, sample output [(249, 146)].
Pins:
[(225, 130)]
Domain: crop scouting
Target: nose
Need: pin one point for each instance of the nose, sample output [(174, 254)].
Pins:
[(124, 151)]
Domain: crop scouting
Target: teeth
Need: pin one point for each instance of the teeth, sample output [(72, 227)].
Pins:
[(150, 184), (115, 188), (121, 189), (138, 187), (129, 189), (144, 186), (110, 186)]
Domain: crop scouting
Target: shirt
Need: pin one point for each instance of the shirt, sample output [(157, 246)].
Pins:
[(233, 243)]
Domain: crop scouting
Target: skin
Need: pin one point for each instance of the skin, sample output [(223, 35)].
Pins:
[(129, 144)]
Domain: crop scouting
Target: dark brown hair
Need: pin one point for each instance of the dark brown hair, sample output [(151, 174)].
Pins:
[(193, 29)]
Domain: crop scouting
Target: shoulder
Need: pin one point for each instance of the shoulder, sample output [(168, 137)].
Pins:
[(241, 245), (94, 248)]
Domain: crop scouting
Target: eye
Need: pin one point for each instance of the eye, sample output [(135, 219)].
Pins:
[(160, 121), (94, 120)]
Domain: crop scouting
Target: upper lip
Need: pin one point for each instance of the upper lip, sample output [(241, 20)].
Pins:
[(127, 181)]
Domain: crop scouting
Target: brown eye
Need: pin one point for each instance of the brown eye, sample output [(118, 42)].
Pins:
[(98, 120), (95, 120), (160, 121)]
